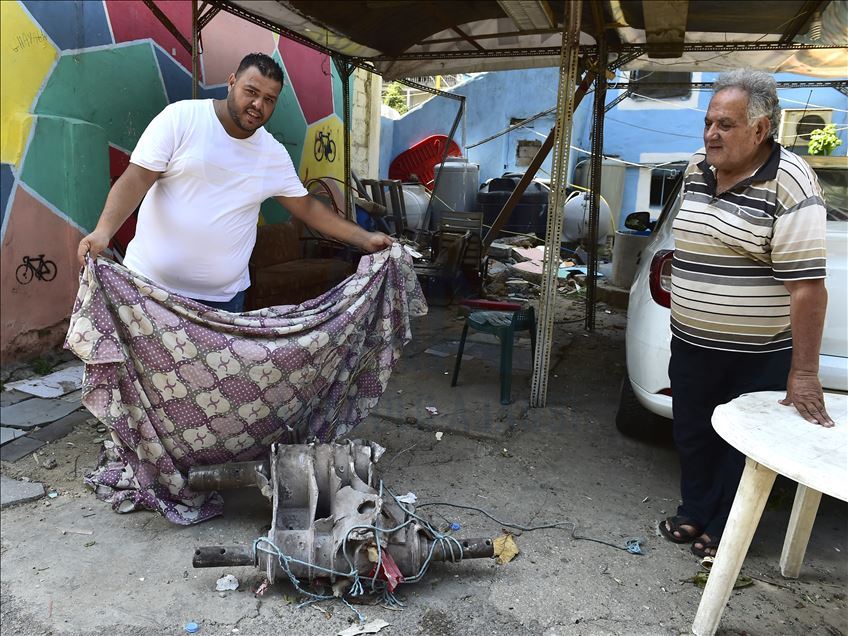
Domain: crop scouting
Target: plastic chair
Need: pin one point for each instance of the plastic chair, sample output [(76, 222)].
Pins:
[(439, 278), (502, 324)]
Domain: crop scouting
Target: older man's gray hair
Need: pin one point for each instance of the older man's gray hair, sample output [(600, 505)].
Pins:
[(762, 93)]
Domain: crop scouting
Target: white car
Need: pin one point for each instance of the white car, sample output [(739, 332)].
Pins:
[(646, 389)]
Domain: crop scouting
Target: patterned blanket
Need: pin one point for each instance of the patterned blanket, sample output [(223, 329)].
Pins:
[(180, 384)]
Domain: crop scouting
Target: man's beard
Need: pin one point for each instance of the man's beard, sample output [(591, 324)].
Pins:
[(234, 115)]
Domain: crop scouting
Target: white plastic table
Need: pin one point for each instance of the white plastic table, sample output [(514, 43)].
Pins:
[(775, 439)]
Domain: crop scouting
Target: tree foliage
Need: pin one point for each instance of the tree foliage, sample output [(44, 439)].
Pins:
[(395, 97)]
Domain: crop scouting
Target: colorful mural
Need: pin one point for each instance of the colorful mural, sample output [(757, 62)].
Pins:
[(80, 82)]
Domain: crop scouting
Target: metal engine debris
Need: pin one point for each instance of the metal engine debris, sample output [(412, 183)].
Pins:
[(332, 518)]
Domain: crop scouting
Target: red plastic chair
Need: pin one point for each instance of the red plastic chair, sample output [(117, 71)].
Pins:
[(421, 159)]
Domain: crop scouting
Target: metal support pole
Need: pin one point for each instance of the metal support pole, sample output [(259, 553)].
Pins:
[(559, 179), (345, 69), (195, 38), (595, 171)]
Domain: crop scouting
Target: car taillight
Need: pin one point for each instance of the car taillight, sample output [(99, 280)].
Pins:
[(661, 277)]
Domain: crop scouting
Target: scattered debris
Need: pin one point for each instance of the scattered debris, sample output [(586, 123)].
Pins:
[(371, 627), (700, 579), (408, 498), (50, 463), (72, 531), (53, 495), (439, 435), (227, 583), (89, 544), (505, 452), (432, 410), (191, 628), (505, 548), (55, 385), (14, 492), (435, 352), (263, 587)]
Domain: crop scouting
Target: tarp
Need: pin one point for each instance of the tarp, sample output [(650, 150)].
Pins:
[(471, 36), (180, 384)]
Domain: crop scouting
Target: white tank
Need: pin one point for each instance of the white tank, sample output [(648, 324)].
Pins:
[(415, 198), (458, 182), (575, 219)]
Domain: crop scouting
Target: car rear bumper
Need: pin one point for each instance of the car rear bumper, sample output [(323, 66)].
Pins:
[(654, 402)]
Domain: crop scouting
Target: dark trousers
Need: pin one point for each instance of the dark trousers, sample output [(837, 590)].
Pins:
[(701, 379), (234, 305)]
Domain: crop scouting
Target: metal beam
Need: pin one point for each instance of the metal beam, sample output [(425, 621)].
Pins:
[(633, 86), (195, 39), (617, 100), (665, 25), (429, 89), (206, 18), (559, 179), (591, 49), (166, 22), (595, 172), (345, 69)]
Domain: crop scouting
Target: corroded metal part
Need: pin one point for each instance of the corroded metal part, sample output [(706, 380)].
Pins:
[(325, 506)]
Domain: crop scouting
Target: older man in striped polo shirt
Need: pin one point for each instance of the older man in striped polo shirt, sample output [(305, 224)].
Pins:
[(748, 298)]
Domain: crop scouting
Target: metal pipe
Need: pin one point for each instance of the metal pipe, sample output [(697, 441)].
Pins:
[(219, 556), (227, 476), (477, 548)]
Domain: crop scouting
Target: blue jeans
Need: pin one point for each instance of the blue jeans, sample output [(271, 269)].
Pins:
[(233, 305)]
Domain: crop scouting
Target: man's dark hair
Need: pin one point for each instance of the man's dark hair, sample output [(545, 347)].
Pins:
[(264, 64)]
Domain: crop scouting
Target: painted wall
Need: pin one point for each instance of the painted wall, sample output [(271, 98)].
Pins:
[(80, 82)]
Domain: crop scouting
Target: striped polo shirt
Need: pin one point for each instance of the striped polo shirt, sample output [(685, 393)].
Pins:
[(733, 252)]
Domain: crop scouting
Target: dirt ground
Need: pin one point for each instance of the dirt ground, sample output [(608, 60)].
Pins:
[(72, 566)]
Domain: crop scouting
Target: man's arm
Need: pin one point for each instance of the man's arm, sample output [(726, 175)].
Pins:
[(807, 306), (123, 198), (319, 217)]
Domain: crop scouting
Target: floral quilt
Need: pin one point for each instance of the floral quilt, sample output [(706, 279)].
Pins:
[(180, 384)]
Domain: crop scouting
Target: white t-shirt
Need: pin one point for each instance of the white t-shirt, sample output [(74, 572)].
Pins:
[(197, 225)]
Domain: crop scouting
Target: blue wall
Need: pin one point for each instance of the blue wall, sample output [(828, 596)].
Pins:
[(671, 129), (667, 128), (492, 100)]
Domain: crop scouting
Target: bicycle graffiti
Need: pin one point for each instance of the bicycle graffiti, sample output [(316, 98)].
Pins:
[(35, 267), (324, 147)]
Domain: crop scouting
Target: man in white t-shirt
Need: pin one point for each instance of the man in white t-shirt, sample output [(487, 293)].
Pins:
[(203, 168)]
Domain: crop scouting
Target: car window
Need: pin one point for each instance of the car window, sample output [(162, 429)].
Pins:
[(834, 185), (672, 204)]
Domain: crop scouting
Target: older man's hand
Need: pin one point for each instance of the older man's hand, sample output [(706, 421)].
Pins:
[(804, 390)]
